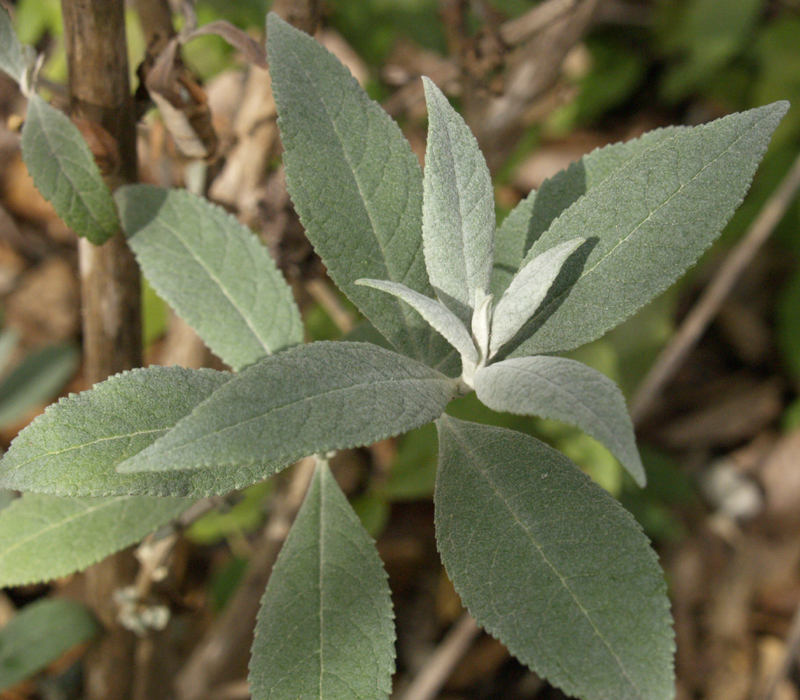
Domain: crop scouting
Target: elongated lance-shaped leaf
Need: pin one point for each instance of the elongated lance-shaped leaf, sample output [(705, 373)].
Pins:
[(74, 447), (43, 537), (12, 58), (39, 634), (213, 271), (534, 214), (552, 565), (434, 312), (458, 208), (64, 171), (355, 184), (325, 628), (565, 390), (651, 219), (310, 399), (526, 292)]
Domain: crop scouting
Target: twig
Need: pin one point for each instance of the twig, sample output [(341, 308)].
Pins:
[(443, 660), (322, 293), (695, 324), (520, 29)]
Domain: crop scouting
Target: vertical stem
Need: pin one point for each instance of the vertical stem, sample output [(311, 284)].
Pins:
[(97, 59)]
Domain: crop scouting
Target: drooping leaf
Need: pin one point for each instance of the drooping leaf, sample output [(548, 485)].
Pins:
[(39, 634), (12, 59), (437, 314), (526, 291), (562, 389), (355, 183), (64, 171), (75, 446), (552, 565), (458, 208), (325, 629), (534, 214), (36, 380), (43, 537), (651, 219), (313, 398), (212, 270)]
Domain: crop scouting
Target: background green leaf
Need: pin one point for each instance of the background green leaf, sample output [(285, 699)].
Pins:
[(212, 270), (552, 565), (12, 60), (325, 629)]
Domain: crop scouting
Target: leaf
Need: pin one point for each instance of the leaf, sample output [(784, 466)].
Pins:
[(313, 398), (325, 629), (355, 183), (39, 634), (12, 58), (43, 537), (552, 565), (213, 271), (75, 446), (534, 214), (652, 219), (437, 314), (561, 389), (526, 291), (458, 208), (36, 379), (64, 171)]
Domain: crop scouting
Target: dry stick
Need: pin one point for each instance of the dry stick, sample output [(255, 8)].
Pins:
[(695, 324), (97, 59)]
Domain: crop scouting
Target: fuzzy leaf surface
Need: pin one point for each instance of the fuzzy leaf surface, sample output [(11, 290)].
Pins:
[(552, 565), (651, 219), (325, 630), (313, 398), (562, 389), (355, 184), (458, 208), (39, 634), (212, 270), (12, 59), (43, 537), (73, 448), (64, 171)]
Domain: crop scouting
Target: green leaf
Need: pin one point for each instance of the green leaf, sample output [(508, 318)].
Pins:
[(651, 219), (313, 398), (561, 389), (36, 379), (434, 312), (64, 171), (9, 339), (212, 270), (43, 537), (552, 565), (355, 183), (75, 446), (325, 629), (12, 58), (534, 214), (458, 216), (39, 634)]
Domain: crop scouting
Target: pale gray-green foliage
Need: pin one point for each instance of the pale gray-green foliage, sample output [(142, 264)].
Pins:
[(313, 398), (650, 220), (212, 270), (534, 214), (552, 565), (325, 626), (12, 59), (74, 447), (458, 208), (43, 537), (564, 390), (355, 183), (39, 634), (64, 171)]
